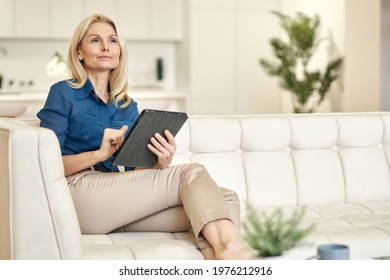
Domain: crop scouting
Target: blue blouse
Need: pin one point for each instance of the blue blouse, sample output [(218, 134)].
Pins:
[(78, 117)]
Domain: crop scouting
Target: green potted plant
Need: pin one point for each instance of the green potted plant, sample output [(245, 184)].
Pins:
[(271, 235), (292, 62)]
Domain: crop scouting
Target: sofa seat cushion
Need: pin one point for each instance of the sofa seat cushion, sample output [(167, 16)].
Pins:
[(141, 246), (377, 207), (335, 210), (364, 227), (363, 241)]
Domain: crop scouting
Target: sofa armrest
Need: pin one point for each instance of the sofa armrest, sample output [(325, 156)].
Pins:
[(42, 219)]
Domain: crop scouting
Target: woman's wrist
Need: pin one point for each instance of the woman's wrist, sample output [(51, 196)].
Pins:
[(99, 156)]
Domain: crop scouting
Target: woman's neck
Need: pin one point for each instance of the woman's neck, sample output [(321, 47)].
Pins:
[(100, 84)]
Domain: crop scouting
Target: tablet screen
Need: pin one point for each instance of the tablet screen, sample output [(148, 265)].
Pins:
[(134, 151)]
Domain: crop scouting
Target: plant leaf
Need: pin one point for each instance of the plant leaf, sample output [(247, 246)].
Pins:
[(271, 235), (303, 34)]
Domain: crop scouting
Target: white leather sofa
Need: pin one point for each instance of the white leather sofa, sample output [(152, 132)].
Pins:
[(336, 165)]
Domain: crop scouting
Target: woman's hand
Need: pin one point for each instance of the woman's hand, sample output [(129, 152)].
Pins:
[(163, 149), (112, 140)]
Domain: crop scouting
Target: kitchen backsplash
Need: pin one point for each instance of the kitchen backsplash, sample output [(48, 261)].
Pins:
[(23, 64)]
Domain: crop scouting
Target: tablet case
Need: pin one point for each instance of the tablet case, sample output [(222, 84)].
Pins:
[(134, 151)]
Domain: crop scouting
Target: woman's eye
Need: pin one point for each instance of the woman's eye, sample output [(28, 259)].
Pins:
[(95, 40), (113, 40)]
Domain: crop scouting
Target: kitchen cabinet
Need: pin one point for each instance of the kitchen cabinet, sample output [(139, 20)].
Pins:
[(150, 19), (166, 19), (56, 19), (31, 18), (64, 17), (133, 19), (105, 7), (6, 18), (24, 19)]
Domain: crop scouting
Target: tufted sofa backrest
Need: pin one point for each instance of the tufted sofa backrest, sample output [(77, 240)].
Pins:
[(269, 160), (290, 160)]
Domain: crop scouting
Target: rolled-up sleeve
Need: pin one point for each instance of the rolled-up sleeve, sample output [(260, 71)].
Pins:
[(54, 114)]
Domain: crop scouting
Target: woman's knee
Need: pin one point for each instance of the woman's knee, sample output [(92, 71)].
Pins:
[(195, 172), (194, 168), (230, 195)]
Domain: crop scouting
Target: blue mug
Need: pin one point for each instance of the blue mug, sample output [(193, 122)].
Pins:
[(332, 252)]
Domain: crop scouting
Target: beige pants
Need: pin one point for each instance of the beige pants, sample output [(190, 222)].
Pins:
[(173, 199)]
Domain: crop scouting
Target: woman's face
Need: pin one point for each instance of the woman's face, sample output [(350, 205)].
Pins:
[(99, 49)]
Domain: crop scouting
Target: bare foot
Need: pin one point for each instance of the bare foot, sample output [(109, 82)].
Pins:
[(234, 252), (208, 253)]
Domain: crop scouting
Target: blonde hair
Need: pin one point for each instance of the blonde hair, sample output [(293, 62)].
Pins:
[(119, 84)]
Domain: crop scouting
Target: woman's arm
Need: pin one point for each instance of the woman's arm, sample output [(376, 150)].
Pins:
[(79, 162), (112, 140)]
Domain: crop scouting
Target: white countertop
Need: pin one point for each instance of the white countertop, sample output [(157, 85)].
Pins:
[(23, 97), (135, 93)]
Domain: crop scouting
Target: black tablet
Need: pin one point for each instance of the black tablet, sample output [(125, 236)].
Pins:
[(134, 151)]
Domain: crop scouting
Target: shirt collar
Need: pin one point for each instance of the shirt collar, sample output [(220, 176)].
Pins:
[(85, 91), (88, 89)]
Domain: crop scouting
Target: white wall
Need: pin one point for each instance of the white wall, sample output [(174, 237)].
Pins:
[(362, 49), (256, 91), (227, 39), (385, 56)]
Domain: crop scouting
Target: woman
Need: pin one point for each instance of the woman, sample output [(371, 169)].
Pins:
[(91, 114)]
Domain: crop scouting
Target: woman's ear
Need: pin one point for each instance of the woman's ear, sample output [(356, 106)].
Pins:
[(79, 56)]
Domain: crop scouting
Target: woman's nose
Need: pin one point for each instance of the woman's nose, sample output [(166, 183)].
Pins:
[(105, 47)]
